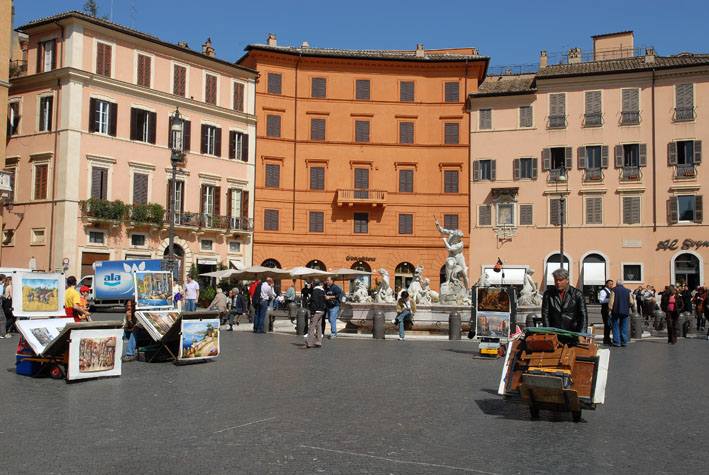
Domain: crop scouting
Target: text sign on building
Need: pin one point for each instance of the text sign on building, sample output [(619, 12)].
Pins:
[(671, 245)]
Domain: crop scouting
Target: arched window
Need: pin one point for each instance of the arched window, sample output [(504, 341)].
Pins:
[(552, 264), (363, 266), (593, 276), (272, 263), (403, 276), (317, 265)]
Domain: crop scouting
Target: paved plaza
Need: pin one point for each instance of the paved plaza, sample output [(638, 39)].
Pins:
[(354, 406)]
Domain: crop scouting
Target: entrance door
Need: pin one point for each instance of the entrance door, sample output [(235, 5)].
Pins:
[(593, 275), (687, 270)]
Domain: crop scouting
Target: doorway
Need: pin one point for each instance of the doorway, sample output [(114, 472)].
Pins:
[(686, 270)]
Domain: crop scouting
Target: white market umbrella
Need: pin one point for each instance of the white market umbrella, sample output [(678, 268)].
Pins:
[(301, 272), (260, 272), (219, 274)]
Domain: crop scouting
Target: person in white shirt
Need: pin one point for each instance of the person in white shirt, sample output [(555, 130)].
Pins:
[(191, 294), (604, 298), (267, 294)]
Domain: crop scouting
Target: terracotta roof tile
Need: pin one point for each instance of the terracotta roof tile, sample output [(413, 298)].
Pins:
[(506, 84), (610, 66)]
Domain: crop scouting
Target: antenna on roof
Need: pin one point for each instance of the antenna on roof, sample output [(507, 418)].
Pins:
[(132, 14)]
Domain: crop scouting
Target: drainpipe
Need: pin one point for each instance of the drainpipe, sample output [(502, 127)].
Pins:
[(654, 167), (470, 148), (54, 156), (295, 135)]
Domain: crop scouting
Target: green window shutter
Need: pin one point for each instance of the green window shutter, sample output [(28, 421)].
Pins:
[(619, 162), (406, 91), (697, 152), (362, 89), (406, 132), (274, 83), (581, 156), (516, 169), (484, 215), (698, 209), (452, 92), (319, 88), (672, 153), (546, 159), (317, 129), (672, 210), (526, 215)]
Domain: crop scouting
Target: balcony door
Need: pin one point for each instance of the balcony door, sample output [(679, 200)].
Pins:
[(361, 183)]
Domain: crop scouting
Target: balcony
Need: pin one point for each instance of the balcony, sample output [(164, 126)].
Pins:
[(555, 175), (18, 68), (631, 174), (228, 224), (557, 122), (683, 114), (593, 175), (592, 120), (630, 118), (351, 197), (686, 170)]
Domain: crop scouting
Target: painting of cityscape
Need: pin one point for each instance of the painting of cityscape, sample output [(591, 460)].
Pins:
[(95, 353), (153, 290), (157, 323), (40, 333), (38, 294), (199, 339), (492, 325)]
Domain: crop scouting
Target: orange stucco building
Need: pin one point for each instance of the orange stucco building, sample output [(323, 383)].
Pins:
[(357, 151)]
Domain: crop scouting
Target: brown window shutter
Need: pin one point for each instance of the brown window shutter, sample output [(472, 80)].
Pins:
[(169, 132), (152, 127), (140, 188), (40, 56), (40, 184), (406, 224), (202, 190), (107, 60), (92, 115), (179, 80), (232, 144), (99, 58), (245, 147), (229, 195), (146, 73), (133, 123), (244, 204), (484, 215), (96, 182), (54, 53), (204, 138), (50, 106), (113, 118), (187, 132), (141, 70), (218, 142), (218, 200), (238, 97), (526, 215), (698, 209), (672, 210)]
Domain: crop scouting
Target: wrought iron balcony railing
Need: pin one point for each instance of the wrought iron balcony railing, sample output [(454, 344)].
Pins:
[(630, 118), (631, 174), (556, 175), (683, 114), (687, 170), (593, 120), (557, 122), (593, 175)]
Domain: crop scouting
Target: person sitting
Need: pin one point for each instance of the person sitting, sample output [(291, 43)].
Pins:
[(219, 304), (405, 310)]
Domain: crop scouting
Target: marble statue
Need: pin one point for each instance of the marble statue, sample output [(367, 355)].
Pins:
[(428, 295), (359, 292), (483, 281), (455, 288), (529, 296), (385, 294), (415, 285)]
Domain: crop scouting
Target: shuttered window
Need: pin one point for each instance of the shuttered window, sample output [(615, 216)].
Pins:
[(238, 97), (179, 80), (179, 198), (452, 92), (406, 132), (406, 181), (273, 125), (450, 221), (524, 168), (593, 115), (451, 133), (103, 117), (361, 223), (361, 179), (362, 89), (211, 140), (557, 111), (144, 70), (406, 224), (273, 175), (485, 119), (99, 183), (525, 116), (142, 125), (361, 131), (686, 209), (45, 113), (318, 88), (684, 102), (450, 181), (630, 114), (210, 89), (103, 59), (594, 210), (317, 221), (46, 55), (406, 91), (484, 215), (186, 134), (631, 210), (140, 188), (317, 178), (555, 211), (13, 118), (274, 83), (526, 215), (317, 129), (238, 146), (270, 220), (40, 182), (484, 170)]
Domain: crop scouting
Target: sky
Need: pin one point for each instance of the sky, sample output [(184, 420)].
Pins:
[(510, 32)]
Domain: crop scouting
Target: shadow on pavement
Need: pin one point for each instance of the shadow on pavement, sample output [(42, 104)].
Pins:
[(519, 412), (462, 352)]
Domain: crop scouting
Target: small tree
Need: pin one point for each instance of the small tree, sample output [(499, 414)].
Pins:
[(91, 8)]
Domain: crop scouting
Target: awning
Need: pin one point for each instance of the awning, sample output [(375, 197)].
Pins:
[(551, 267), (236, 264), (207, 262), (594, 273), (513, 276)]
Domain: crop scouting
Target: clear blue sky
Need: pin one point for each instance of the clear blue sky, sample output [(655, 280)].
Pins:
[(511, 32)]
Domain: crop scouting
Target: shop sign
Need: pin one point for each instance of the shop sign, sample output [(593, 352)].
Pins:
[(673, 245), (360, 258)]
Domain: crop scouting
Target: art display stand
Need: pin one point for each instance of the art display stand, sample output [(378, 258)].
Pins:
[(172, 341), (494, 312)]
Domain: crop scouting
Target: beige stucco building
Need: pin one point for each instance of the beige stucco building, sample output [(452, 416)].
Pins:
[(626, 128), (90, 149), (6, 14)]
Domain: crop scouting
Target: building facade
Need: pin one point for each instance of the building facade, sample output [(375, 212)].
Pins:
[(610, 147), (90, 142), (358, 151)]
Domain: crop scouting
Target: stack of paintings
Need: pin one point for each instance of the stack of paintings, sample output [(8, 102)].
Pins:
[(157, 324), (40, 333), (493, 313)]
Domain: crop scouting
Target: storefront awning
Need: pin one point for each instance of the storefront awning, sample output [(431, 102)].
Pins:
[(551, 267), (513, 276), (207, 262), (236, 264), (594, 273)]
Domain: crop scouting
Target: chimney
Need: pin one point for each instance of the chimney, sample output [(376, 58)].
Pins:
[(207, 48), (650, 55), (182, 44), (419, 50), (272, 41), (543, 59), (574, 55), (305, 45)]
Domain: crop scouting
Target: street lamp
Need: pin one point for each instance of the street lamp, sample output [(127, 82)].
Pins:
[(562, 212), (176, 156)]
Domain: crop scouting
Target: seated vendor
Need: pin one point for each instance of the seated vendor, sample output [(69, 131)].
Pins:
[(131, 327)]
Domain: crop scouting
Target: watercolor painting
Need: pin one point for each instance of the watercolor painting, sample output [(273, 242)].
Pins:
[(493, 300), (157, 323), (40, 333), (38, 294), (153, 289), (492, 325), (43, 335), (97, 354), (200, 339)]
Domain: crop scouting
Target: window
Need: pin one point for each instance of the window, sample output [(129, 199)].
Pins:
[(361, 182), (316, 221), (179, 199), (505, 214), (144, 70), (556, 158), (45, 113), (406, 181), (630, 114), (484, 170), (210, 197), (210, 89), (406, 132), (525, 168), (525, 116), (274, 83), (556, 209), (684, 152), (211, 140), (526, 215), (361, 223), (103, 59), (362, 89), (179, 80), (273, 125), (631, 210), (594, 210), (142, 125), (451, 133), (485, 119), (273, 175), (186, 134), (238, 209), (452, 93), (484, 215), (137, 240), (632, 273), (361, 131), (270, 220), (234, 247), (592, 159), (11, 195), (317, 178), (406, 224), (406, 91), (99, 183), (684, 102), (686, 209), (46, 55), (450, 221), (13, 118), (239, 97), (103, 117), (40, 181), (317, 129), (206, 244), (557, 111), (140, 188), (318, 88), (238, 146), (450, 181), (97, 237), (37, 237), (593, 116)]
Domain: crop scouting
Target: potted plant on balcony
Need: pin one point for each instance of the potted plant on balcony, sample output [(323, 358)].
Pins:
[(156, 214)]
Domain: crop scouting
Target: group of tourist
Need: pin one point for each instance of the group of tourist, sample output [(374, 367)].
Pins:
[(7, 319)]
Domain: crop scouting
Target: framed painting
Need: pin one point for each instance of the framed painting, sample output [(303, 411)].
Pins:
[(40, 333), (157, 324), (492, 325), (493, 299), (38, 294), (199, 339), (153, 290), (95, 353)]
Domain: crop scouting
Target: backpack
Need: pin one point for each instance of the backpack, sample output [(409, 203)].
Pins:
[(256, 299)]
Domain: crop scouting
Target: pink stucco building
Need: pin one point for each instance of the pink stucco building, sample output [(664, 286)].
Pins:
[(90, 157), (626, 128)]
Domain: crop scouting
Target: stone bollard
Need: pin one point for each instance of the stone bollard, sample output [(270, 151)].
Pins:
[(454, 326), (660, 319), (685, 323), (301, 321), (529, 321), (636, 325), (292, 311), (378, 325)]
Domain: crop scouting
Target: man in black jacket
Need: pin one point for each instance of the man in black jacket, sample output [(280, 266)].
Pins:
[(564, 306), (317, 310)]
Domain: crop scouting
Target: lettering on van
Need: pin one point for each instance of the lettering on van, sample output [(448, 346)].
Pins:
[(112, 280), (673, 245)]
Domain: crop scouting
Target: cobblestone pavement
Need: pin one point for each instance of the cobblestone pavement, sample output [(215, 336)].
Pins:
[(354, 406)]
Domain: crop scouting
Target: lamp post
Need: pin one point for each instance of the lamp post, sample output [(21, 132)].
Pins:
[(176, 156), (562, 213)]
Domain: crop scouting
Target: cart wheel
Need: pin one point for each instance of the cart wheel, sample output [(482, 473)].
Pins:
[(501, 351), (534, 411), (576, 415), (56, 371)]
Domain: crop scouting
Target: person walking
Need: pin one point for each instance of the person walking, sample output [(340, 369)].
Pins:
[(672, 304), (699, 302), (266, 295), (318, 308), (3, 321), (604, 298), (333, 294), (564, 306), (237, 307), (7, 306), (620, 304), (191, 294), (405, 311)]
